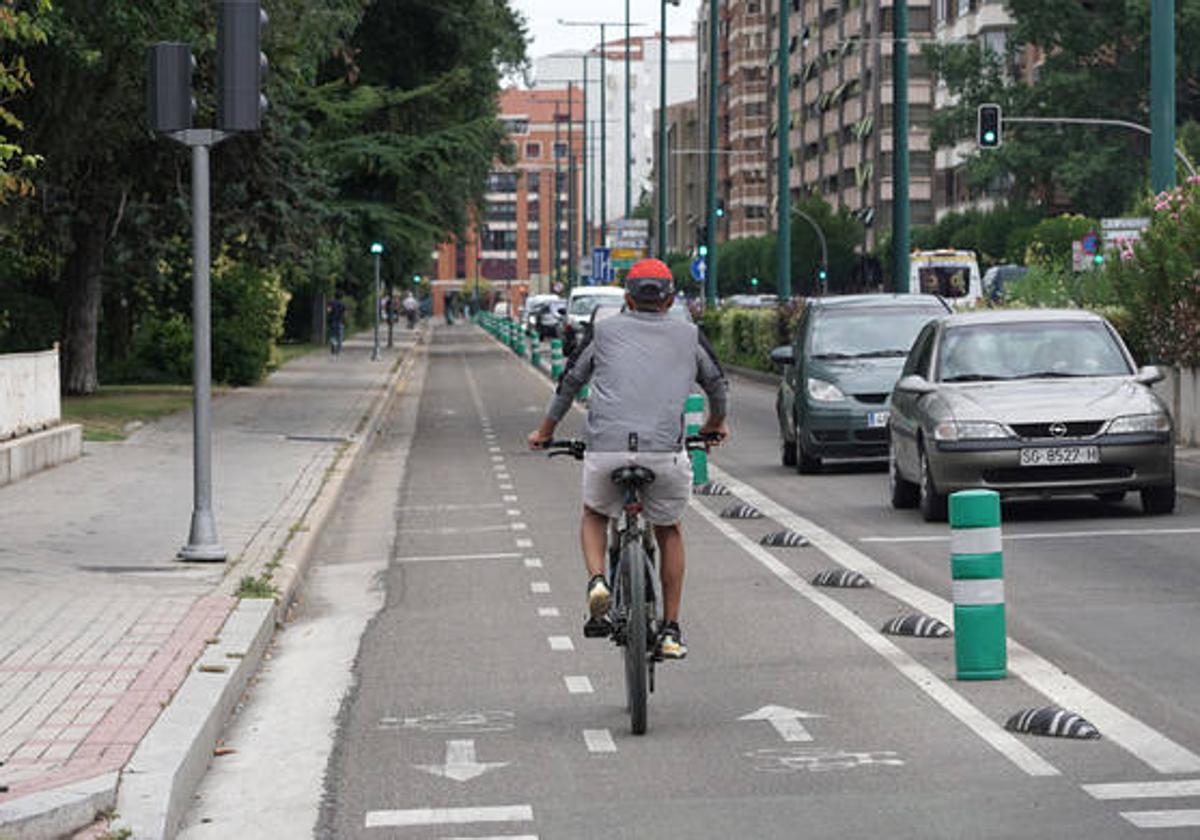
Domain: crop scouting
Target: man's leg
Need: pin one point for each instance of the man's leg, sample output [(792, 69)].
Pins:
[(670, 548), (594, 537)]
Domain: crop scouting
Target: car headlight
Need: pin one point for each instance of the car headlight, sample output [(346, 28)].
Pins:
[(970, 430), (1139, 424), (823, 391)]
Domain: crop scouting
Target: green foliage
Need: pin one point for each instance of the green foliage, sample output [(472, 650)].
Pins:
[(1050, 241), (161, 351), (248, 309), (996, 236), (746, 337), (20, 26)]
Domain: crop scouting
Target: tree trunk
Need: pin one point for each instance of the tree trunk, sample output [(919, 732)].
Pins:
[(83, 274)]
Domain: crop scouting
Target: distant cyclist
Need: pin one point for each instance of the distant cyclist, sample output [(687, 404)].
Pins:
[(641, 365), (337, 323)]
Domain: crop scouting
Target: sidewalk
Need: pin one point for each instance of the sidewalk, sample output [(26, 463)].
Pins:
[(99, 623)]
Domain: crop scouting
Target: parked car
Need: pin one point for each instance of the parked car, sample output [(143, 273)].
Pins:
[(838, 372), (582, 301), (1028, 403), (998, 279)]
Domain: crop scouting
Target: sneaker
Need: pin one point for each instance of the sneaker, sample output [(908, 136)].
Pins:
[(598, 597), (670, 642)]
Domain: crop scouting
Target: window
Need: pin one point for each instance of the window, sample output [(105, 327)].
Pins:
[(499, 240), (533, 151), (501, 211), (515, 125), (502, 182), (560, 150), (533, 183)]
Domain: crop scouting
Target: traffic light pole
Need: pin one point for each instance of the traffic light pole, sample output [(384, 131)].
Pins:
[(714, 46), (662, 135), (1162, 94), (1132, 126), (202, 545), (900, 218), (784, 199)]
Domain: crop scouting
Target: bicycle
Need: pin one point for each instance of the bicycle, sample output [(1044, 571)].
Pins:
[(635, 614)]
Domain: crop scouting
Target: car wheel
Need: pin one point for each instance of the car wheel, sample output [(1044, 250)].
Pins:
[(932, 503), (1111, 498), (1158, 501), (905, 494), (787, 452)]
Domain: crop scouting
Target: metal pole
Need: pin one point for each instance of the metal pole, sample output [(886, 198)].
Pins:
[(391, 297), (628, 124), (662, 135), (572, 210), (1162, 95), (375, 348), (900, 217), (586, 239), (1179, 153), (603, 138), (820, 236), (784, 199), (556, 274), (714, 46), (202, 545)]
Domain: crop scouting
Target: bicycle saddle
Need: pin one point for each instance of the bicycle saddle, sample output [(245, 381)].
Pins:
[(637, 476)]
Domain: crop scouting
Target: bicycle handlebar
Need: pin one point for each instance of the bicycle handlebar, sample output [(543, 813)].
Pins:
[(576, 448)]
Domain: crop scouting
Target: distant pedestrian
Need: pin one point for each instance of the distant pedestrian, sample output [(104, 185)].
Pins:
[(337, 323), (411, 310)]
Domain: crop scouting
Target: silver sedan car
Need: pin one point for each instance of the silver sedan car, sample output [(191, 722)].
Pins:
[(1028, 403)]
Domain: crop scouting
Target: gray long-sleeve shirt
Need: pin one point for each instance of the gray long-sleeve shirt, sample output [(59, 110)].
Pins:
[(641, 366)]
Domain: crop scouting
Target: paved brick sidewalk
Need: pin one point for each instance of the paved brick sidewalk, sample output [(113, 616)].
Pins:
[(99, 623)]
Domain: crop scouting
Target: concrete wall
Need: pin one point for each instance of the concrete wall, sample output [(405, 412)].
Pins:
[(1181, 392), (29, 393)]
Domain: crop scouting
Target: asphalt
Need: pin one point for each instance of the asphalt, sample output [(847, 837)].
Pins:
[(469, 648)]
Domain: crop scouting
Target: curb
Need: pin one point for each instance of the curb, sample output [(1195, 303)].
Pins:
[(154, 790), (156, 787)]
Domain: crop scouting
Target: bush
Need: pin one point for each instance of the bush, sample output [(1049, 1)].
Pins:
[(249, 304), (1050, 240), (161, 351), (746, 337)]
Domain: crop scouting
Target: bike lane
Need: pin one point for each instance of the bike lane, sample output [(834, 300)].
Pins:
[(480, 707)]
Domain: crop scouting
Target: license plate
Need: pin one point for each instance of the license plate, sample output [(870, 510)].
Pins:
[(1057, 456), (878, 419)]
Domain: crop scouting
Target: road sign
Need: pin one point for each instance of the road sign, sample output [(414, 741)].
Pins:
[(602, 270), (700, 269)]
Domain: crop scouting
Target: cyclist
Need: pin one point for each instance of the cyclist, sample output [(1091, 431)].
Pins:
[(641, 365)]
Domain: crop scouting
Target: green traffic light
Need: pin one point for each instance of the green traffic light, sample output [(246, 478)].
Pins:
[(416, 278), (703, 250), (989, 137), (1098, 259), (754, 282)]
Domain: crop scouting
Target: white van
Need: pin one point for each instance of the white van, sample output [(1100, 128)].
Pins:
[(953, 275)]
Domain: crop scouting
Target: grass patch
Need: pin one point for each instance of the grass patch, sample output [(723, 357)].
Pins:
[(257, 587), (281, 354), (105, 414)]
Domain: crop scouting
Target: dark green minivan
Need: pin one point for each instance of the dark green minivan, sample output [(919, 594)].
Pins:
[(839, 371)]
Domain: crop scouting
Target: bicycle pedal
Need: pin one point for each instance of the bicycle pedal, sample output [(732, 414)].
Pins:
[(597, 628)]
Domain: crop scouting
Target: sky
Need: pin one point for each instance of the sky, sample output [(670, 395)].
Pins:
[(550, 37)]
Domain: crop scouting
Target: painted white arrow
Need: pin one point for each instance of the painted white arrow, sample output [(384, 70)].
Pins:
[(786, 721), (461, 765)]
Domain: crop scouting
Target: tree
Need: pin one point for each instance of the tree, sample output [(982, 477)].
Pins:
[(19, 28)]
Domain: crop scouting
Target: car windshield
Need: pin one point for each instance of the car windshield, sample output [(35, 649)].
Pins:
[(1036, 350), (867, 333), (584, 304), (950, 281)]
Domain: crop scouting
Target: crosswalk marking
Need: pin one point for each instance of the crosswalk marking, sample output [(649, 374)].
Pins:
[(599, 741), (448, 816), (561, 643), (539, 587), (578, 685), (1163, 819), (533, 562), (1145, 790)]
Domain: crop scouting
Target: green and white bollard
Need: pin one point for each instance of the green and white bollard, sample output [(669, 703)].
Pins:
[(694, 411), (535, 352), (977, 566), (556, 359)]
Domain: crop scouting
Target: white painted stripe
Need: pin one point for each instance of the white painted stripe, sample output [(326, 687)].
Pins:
[(539, 587), (494, 449), (506, 487), (449, 816), (519, 526), (975, 541), (446, 558), (578, 685), (524, 543), (1144, 790), (513, 512), (507, 499), (1054, 535), (533, 562), (1118, 726), (480, 529), (497, 837), (503, 477), (548, 612), (926, 680), (561, 643), (978, 593), (445, 508), (1163, 819), (599, 741), (498, 458)]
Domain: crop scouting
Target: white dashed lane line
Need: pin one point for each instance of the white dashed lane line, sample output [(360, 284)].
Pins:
[(524, 543), (533, 562), (561, 643), (509, 499), (578, 685), (448, 816), (539, 587), (513, 512), (548, 612), (599, 741)]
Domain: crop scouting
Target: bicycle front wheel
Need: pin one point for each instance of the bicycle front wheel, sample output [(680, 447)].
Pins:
[(633, 572)]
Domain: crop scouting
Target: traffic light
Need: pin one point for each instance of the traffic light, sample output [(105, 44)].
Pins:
[(169, 103), (990, 128), (241, 65), (720, 208), (702, 240), (822, 274), (754, 283), (416, 279), (702, 250)]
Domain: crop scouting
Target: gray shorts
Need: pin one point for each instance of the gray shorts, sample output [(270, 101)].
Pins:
[(663, 502)]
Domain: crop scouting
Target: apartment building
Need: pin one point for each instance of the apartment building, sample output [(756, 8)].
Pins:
[(743, 115), (686, 186), (515, 238)]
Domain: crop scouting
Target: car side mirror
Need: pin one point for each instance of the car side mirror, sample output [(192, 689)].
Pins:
[(914, 384), (1150, 374), (784, 355)]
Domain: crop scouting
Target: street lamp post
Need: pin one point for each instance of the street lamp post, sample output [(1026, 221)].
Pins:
[(714, 45), (1162, 94), (900, 218), (628, 124), (662, 132), (784, 199), (376, 252)]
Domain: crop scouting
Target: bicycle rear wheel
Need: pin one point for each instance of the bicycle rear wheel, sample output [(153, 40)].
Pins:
[(633, 570)]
